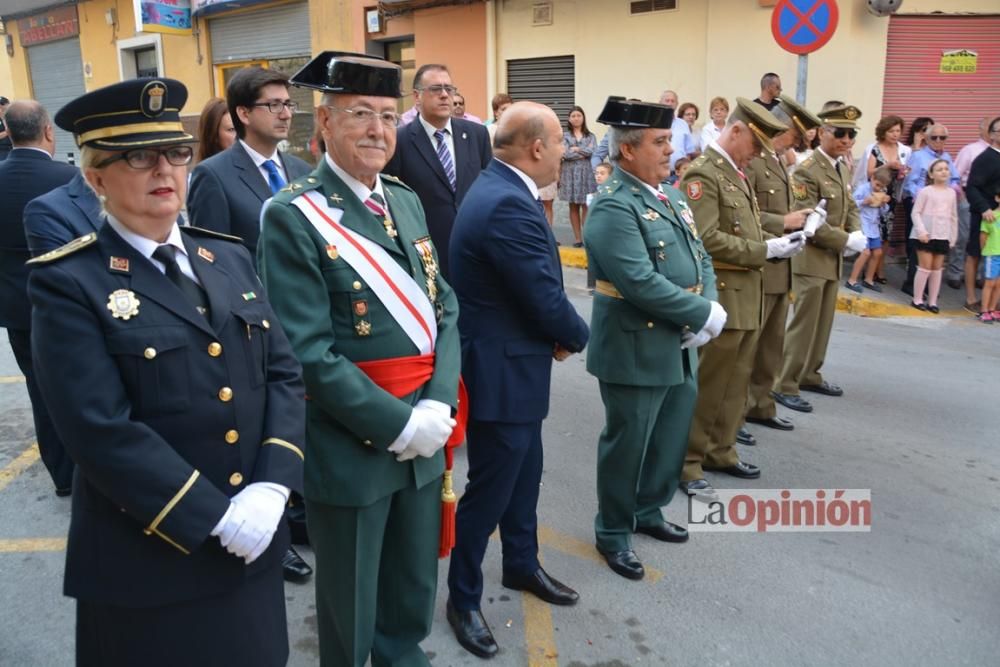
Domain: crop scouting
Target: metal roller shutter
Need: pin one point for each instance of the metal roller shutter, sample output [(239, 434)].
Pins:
[(242, 37), (57, 78), (550, 81)]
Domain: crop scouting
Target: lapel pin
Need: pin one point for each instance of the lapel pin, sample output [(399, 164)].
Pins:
[(336, 199), (249, 296), (206, 254), (119, 264)]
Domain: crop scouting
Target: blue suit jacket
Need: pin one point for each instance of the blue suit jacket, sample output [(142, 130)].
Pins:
[(512, 305), (24, 175), (227, 191), (56, 218), (416, 163)]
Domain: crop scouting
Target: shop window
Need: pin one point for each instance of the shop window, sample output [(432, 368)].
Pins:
[(140, 56)]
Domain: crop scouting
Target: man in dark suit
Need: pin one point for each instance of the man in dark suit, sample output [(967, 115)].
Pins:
[(228, 189), (28, 172), (439, 156), (984, 177), (57, 217), (514, 318)]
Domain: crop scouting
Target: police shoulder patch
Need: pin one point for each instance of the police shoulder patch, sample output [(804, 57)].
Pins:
[(694, 190), (209, 233), (65, 250)]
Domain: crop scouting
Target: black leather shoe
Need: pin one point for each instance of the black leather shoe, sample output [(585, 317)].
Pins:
[(295, 569), (664, 532), (542, 586), (953, 283), (64, 491), (625, 563), (700, 489), (773, 422), (472, 631), (792, 402), (824, 387), (745, 437), (741, 470)]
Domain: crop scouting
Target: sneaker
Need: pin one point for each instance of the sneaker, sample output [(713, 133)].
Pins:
[(973, 307), (918, 306), (853, 287), (987, 318), (875, 287)]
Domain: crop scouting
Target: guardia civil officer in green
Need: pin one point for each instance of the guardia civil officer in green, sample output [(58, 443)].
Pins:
[(349, 264), (655, 292), (770, 181), (816, 272), (728, 219), (176, 393)]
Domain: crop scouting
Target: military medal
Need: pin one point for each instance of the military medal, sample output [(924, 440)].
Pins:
[(650, 214), (331, 252), (249, 296), (361, 308), (119, 264), (363, 328), (390, 229), (426, 252), (206, 255), (123, 304)]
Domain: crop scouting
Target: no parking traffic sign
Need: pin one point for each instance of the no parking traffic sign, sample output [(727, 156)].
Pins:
[(804, 26)]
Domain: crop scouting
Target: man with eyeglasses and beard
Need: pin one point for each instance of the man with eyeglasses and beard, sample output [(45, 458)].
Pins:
[(353, 274), (816, 271)]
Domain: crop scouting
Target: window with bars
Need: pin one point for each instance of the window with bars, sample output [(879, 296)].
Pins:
[(646, 6)]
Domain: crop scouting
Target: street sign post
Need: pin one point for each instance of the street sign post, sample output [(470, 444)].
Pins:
[(801, 27)]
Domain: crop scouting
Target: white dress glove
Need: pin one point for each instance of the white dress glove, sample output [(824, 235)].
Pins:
[(249, 526), (856, 242), (786, 246), (433, 428), (716, 320), (689, 339)]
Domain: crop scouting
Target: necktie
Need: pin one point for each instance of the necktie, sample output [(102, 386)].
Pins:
[(191, 290), (662, 197), (376, 204), (742, 174), (274, 179), (541, 206), (445, 156)]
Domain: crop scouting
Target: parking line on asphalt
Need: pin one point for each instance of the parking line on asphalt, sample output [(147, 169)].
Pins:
[(32, 544), (585, 550), (23, 461), (11, 379)]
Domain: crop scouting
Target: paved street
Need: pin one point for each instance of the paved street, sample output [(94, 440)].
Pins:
[(920, 589)]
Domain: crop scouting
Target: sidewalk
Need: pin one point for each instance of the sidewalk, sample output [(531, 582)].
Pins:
[(889, 303)]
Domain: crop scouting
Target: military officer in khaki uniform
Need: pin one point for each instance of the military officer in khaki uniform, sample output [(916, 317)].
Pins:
[(728, 220), (816, 272), (655, 292), (770, 181)]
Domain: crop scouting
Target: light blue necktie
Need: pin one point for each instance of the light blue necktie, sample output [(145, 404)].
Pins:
[(445, 156), (274, 179)]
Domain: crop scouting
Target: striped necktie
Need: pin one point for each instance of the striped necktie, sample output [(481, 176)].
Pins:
[(376, 204), (445, 156)]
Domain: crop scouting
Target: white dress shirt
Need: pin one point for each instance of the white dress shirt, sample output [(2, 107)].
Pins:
[(259, 160)]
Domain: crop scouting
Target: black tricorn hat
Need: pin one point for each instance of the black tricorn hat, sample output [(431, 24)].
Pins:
[(620, 112), (137, 113), (351, 74)]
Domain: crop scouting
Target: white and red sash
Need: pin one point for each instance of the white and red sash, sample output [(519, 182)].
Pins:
[(406, 302)]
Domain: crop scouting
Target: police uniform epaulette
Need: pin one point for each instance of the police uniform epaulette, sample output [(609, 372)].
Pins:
[(65, 250), (808, 162), (297, 187), (201, 231)]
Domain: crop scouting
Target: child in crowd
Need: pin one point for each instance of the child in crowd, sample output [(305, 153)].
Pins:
[(873, 202), (989, 237), (682, 165), (935, 229), (601, 173)]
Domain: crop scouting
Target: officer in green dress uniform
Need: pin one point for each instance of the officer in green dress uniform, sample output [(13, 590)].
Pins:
[(816, 273), (769, 180), (349, 265), (728, 219), (655, 291)]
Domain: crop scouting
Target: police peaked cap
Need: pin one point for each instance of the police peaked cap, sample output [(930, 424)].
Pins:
[(351, 74)]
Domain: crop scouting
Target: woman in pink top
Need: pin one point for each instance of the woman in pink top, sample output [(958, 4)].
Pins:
[(935, 229)]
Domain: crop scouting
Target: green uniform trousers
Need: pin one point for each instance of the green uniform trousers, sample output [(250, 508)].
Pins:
[(639, 456), (376, 577), (724, 366), (769, 357), (809, 332)]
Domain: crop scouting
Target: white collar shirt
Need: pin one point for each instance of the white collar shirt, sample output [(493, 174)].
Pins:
[(530, 184), (259, 161)]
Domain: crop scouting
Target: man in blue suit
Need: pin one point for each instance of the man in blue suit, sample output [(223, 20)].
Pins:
[(514, 318), (28, 172), (438, 156), (57, 217), (227, 190)]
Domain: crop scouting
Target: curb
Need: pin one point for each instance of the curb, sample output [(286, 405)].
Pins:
[(576, 258)]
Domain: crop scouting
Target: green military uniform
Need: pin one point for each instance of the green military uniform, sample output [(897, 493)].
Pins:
[(654, 282), (374, 522), (728, 218), (769, 179), (816, 271)]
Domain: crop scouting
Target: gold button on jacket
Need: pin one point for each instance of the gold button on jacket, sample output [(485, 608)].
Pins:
[(236, 479), (225, 394), (232, 436), (214, 349), (149, 353)]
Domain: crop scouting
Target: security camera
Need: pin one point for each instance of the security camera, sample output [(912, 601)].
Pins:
[(884, 7)]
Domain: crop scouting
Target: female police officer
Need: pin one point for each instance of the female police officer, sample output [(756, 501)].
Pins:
[(177, 396)]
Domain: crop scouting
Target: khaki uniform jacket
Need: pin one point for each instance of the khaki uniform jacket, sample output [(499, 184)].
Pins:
[(816, 178), (770, 182), (651, 253), (728, 219)]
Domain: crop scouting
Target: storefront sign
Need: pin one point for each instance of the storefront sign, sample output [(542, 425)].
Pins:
[(55, 24), (961, 61), (169, 16)]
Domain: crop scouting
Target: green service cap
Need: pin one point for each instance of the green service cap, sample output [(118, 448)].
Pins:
[(843, 116), (803, 119)]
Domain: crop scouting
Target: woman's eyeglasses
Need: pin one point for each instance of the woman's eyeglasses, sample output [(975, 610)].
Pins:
[(147, 158)]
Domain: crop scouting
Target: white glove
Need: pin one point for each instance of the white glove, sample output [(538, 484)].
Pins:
[(716, 320), (689, 339), (252, 520), (856, 242), (432, 431), (786, 246)]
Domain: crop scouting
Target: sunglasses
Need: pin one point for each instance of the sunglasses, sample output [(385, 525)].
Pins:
[(841, 132), (937, 137)]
